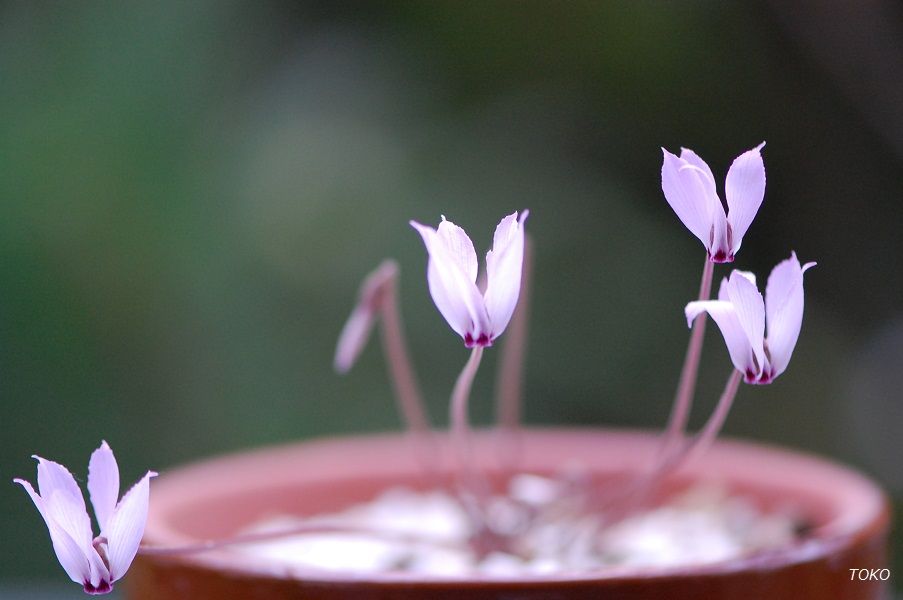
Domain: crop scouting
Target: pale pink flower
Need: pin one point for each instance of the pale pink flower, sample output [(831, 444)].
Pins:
[(689, 188), (357, 328), (742, 314), (452, 276), (93, 562)]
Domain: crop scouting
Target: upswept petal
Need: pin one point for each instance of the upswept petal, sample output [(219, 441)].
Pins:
[(63, 501), (504, 265), (750, 309), (126, 526), (447, 301), (722, 289), (103, 483), (70, 554), (705, 172), (744, 190), (460, 248), (357, 328), (71, 517), (784, 309), (725, 316), (685, 188), (454, 292)]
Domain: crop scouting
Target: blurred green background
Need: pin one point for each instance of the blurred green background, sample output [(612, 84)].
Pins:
[(190, 193)]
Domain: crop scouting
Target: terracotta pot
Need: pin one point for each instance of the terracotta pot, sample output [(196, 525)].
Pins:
[(216, 498)]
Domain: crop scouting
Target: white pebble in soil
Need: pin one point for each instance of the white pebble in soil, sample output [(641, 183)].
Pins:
[(702, 526)]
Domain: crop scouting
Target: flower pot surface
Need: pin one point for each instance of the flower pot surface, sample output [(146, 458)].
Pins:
[(216, 499)]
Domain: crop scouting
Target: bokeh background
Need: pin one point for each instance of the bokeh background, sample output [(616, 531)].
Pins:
[(190, 193)]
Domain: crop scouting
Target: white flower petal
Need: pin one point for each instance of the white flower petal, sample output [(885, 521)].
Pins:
[(687, 191), (454, 292), (449, 303), (747, 275), (126, 526), (70, 554), (724, 314), (705, 173), (784, 308), (750, 309), (504, 265), (722, 289), (744, 190), (460, 248), (70, 516), (103, 483), (63, 501)]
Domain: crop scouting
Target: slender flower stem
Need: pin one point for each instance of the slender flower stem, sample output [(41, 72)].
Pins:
[(401, 373), (624, 501), (510, 378), (300, 529), (460, 427), (683, 399), (709, 431), (473, 490)]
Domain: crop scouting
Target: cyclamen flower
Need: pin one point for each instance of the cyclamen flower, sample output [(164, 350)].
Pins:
[(452, 275), (741, 314), (689, 188), (94, 562), (359, 325)]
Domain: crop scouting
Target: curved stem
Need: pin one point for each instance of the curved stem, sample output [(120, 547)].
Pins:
[(401, 372), (683, 399), (622, 501), (510, 379), (472, 489), (378, 301), (713, 426), (460, 426)]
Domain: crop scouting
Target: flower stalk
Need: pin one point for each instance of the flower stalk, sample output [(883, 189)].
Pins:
[(704, 438), (401, 371), (510, 377), (683, 398), (625, 502), (378, 300), (472, 487), (479, 315)]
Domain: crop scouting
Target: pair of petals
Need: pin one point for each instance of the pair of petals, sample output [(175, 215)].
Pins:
[(93, 562), (689, 188), (742, 314), (452, 277)]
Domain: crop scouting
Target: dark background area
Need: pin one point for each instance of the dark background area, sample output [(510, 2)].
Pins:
[(190, 193)]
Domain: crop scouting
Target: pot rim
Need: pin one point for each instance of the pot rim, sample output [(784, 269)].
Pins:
[(860, 508)]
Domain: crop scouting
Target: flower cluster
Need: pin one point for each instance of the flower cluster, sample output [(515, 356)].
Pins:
[(740, 311)]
